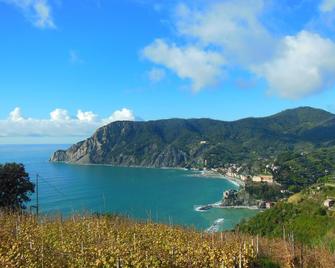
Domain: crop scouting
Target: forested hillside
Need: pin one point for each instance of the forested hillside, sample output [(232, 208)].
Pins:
[(302, 216), (199, 142)]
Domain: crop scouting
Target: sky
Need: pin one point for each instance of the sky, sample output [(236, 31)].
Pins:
[(69, 67)]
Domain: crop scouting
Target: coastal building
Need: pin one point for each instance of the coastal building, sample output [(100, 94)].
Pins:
[(330, 202), (243, 177), (265, 204), (285, 191), (263, 178), (262, 205), (269, 205)]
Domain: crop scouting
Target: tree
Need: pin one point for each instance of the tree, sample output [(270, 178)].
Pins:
[(15, 186)]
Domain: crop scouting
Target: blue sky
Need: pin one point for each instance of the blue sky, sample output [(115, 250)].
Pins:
[(125, 60)]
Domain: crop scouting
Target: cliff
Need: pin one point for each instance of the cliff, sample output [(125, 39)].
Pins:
[(194, 142)]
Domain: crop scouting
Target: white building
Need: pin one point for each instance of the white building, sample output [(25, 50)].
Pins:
[(329, 203), (263, 178)]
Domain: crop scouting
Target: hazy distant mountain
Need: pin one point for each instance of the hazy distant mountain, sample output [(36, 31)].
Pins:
[(189, 142)]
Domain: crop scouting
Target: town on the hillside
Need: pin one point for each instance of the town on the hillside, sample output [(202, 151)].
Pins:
[(256, 189)]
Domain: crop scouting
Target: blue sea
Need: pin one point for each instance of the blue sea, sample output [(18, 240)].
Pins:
[(162, 195)]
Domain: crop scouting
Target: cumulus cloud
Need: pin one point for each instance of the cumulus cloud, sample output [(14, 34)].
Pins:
[(233, 25), (39, 12), (121, 115), (156, 74), (86, 116), (223, 33), (59, 115), (304, 64), (60, 123), (202, 67), (231, 35), (327, 5), (16, 115)]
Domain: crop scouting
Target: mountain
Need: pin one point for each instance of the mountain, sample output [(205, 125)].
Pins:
[(195, 142)]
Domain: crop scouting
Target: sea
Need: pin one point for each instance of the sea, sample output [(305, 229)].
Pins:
[(170, 196)]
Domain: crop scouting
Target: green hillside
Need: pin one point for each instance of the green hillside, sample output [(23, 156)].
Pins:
[(193, 142), (300, 169), (303, 216)]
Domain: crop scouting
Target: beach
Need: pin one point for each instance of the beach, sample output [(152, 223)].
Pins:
[(217, 175)]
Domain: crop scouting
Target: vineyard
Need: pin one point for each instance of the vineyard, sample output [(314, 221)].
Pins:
[(114, 242)]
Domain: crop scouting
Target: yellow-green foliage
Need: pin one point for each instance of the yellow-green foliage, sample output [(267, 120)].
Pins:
[(295, 199), (114, 242)]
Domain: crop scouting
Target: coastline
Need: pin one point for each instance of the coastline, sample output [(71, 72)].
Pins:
[(116, 166), (218, 205), (197, 173), (217, 175), (240, 207)]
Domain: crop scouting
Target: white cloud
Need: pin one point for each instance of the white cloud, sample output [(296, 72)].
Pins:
[(231, 34), (156, 74), (304, 64), (39, 12), (232, 25), (221, 34), (16, 115), (327, 5), (43, 12), (59, 115), (201, 66), (60, 124), (86, 116), (121, 115)]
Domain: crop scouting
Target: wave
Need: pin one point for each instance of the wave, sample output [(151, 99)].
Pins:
[(202, 208), (217, 204), (215, 227), (219, 221)]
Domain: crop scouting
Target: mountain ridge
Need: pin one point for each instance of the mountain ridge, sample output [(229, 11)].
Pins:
[(195, 142)]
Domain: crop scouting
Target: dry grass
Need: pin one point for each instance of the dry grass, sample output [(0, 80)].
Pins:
[(114, 242), (288, 254), (91, 241)]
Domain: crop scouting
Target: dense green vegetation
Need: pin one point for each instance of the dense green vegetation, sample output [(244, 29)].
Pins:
[(298, 170), (264, 191), (302, 215), (15, 186), (177, 142)]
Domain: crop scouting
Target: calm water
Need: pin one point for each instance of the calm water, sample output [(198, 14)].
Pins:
[(164, 195)]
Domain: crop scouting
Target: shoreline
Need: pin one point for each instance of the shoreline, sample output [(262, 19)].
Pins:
[(239, 207), (116, 166), (197, 173), (219, 206), (217, 175)]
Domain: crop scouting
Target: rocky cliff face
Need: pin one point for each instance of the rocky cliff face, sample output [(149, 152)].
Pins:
[(181, 143), (124, 144)]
